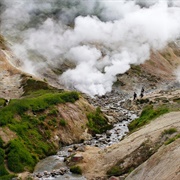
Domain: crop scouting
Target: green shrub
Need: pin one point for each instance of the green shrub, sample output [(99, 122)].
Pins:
[(52, 122), (1, 143), (172, 139), (53, 112), (2, 154), (19, 157), (70, 96), (76, 170), (2, 102), (3, 171), (97, 123), (114, 171), (32, 86), (7, 177), (169, 131), (42, 118), (62, 122), (148, 113), (35, 104)]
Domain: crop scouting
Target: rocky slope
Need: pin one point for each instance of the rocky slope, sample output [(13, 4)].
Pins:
[(36, 118), (135, 149), (156, 73)]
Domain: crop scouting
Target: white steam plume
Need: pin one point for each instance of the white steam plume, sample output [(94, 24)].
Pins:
[(101, 38)]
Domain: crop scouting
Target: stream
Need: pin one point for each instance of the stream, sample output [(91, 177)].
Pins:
[(54, 167)]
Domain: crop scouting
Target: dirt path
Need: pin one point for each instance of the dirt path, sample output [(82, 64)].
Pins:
[(96, 161)]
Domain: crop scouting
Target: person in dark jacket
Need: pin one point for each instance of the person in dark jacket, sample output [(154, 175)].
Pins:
[(135, 95)]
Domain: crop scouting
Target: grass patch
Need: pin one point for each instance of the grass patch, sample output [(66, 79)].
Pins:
[(1, 143), (2, 102), (33, 87), (18, 157), (76, 170), (169, 141), (29, 118), (136, 69), (62, 122), (169, 131), (148, 113), (115, 171), (97, 123), (3, 170), (36, 104)]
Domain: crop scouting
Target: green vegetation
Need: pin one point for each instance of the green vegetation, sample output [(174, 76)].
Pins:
[(76, 170), (2, 102), (1, 143), (19, 158), (136, 69), (169, 131), (32, 118), (172, 139), (33, 87), (36, 104), (62, 122), (53, 112), (4, 175), (97, 122), (115, 171), (148, 113)]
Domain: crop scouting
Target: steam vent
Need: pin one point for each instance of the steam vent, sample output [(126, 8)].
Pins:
[(89, 90)]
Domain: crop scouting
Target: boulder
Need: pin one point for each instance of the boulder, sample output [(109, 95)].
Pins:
[(113, 178), (76, 158)]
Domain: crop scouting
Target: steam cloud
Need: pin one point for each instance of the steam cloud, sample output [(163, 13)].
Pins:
[(100, 38)]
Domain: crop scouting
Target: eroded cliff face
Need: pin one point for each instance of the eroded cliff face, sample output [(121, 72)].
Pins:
[(75, 116), (10, 77), (157, 72)]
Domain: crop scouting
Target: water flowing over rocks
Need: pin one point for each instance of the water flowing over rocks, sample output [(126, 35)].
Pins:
[(110, 104)]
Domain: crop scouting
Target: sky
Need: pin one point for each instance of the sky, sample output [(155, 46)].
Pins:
[(99, 38)]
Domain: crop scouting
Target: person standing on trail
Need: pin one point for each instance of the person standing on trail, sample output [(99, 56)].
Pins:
[(141, 95), (135, 95), (142, 92)]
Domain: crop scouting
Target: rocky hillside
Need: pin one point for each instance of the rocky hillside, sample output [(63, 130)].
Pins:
[(156, 73), (151, 151), (36, 118)]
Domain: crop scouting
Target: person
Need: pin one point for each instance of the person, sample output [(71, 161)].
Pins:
[(142, 90), (141, 95), (135, 95)]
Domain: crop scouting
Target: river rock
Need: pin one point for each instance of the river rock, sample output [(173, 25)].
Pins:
[(76, 158), (113, 178), (39, 175), (108, 133), (70, 150), (81, 148), (46, 173)]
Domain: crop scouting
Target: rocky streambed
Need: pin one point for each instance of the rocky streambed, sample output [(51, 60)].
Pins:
[(55, 167)]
